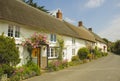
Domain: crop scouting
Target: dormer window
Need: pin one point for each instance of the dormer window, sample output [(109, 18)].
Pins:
[(52, 37)]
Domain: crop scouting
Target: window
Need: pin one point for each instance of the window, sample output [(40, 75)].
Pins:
[(17, 31), (13, 31), (53, 38), (53, 53), (10, 30), (73, 51), (73, 41)]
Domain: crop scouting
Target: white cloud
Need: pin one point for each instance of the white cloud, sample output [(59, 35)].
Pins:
[(94, 3), (112, 32), (118, 5), (69, 20)]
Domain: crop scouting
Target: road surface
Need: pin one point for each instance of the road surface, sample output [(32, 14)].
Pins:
[(102, 69)]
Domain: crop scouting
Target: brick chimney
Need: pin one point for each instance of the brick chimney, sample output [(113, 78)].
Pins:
[(90, 29), (59, 14), (80, 23)]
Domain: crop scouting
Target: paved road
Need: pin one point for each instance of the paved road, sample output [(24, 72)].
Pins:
[(103, 69)]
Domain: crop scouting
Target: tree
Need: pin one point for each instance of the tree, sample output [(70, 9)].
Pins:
[(33, 4), (9, 54), (117, 47)]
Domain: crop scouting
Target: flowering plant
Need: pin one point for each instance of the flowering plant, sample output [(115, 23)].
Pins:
[(57, 65), (35, 40)]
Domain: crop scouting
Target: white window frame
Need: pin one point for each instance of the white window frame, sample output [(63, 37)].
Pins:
[(17, 31), (53, 38), (73, 51), (73, 41), (10, 31), (14, 31), (53, 53)]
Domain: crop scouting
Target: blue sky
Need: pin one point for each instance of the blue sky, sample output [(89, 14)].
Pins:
[(102, 15)]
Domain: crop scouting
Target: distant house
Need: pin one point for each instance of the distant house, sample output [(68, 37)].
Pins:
[(20, 21), (100, 43)]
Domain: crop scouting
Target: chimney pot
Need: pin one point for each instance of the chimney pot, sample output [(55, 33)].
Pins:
[(80, 23), (90, 29), (59, 14)]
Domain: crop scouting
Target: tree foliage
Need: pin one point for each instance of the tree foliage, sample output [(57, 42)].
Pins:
[(33, 4), (116, 47), (9, 54)]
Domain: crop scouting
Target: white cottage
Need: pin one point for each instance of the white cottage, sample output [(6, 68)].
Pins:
[(100, 43), (20, 21)]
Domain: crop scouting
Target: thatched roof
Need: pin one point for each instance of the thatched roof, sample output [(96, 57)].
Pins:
[(21, 13), (82, 32), (98, 38)]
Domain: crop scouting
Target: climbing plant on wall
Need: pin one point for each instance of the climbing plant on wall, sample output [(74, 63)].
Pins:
[(35, 41), (61, 47)]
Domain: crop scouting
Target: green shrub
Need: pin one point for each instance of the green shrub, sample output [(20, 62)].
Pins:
[(73, 63), (75, 58), (9, 54), (90, 56), (54, 65), (82, 53), (7, 69), (14, 78), (33, 67), (97, 53), (1, 71), (26, 71), (64, 64), (105, 54)]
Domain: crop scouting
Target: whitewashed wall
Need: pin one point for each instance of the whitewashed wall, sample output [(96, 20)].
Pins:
[(3, 28), (26, 32), (79, 43), (101, 45)]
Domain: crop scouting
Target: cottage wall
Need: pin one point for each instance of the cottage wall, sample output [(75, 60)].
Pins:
[(70, 49)]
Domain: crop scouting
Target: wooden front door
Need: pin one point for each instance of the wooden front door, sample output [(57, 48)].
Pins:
[(40, 54), (36, 54)]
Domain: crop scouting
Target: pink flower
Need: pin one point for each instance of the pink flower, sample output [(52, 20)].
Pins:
[(35, 40)]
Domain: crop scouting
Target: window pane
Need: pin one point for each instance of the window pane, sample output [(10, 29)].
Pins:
[(73, 51), (51, 37), (49, 52), (52, 52), (17, 31), (73, 40), (10, 30), (54, 38), (56, 52)]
